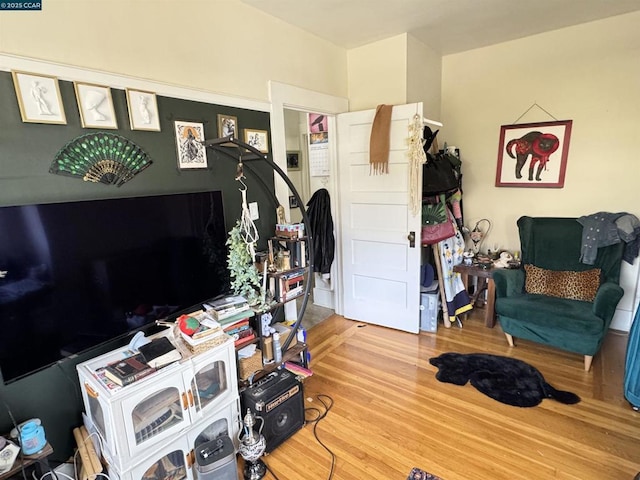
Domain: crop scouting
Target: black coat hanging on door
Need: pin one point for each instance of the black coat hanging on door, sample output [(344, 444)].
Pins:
[(321, 227)]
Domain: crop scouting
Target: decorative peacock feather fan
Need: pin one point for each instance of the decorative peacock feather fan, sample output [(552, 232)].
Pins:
[(101, 157)]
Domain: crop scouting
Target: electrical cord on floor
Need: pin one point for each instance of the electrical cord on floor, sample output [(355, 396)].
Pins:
[(320, 415), (15, 425), (327, 404), (75, 465)]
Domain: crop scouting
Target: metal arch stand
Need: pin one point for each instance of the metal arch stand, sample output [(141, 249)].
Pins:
[(224, 146)]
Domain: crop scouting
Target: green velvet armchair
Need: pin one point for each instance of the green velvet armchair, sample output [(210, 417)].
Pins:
[(579, 326)]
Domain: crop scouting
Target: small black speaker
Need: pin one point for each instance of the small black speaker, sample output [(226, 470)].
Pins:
[(279, 399)]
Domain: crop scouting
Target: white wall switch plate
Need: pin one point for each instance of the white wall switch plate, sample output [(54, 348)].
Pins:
[(253, 211)]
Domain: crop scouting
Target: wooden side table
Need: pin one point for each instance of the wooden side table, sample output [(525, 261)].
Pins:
[(484, 276), (40, 459)]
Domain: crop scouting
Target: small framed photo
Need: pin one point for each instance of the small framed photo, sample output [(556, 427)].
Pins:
[(39, 98), (227, 126), (258, 139), (293, 160), (293, 202), (143, 110), (95, 105), (533, 154), (192, 153)]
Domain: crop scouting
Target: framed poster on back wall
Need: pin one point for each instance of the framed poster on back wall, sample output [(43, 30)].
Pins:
[(533, 154)]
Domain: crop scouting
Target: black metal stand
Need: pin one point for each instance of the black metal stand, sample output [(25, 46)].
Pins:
[(242, 153)]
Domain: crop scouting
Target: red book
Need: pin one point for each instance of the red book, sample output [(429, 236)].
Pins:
[(241, 342)]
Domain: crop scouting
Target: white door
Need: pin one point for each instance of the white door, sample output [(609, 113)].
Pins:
[(380, 265)]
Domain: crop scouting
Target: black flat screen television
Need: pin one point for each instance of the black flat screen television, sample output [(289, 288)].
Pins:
[(76, 274)]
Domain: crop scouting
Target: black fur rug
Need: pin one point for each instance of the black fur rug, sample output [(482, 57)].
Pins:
[(505, 379)]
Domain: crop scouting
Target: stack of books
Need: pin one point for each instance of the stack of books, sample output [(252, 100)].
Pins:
[(228, 307), (159, 352), (202, 331), (233, 313), (287, 286), (128, 370), (241, 332), (150, 357)]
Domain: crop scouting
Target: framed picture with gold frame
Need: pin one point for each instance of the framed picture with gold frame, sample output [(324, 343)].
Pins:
[(143, 110), (258, 139), (95, 105), (39, 98), (227, 126)]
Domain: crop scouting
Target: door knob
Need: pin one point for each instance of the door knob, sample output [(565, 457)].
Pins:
[(412, 239)]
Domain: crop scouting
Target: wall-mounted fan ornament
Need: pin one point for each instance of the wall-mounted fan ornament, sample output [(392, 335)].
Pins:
[(101, 157)]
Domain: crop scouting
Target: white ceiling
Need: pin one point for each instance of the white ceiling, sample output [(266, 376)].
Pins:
[(446, 26)]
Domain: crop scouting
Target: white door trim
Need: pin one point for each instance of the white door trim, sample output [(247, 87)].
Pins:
[(291, 97)]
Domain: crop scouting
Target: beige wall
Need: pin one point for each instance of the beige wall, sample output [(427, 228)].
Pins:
[(589, 74), (424, 77), (221, 46), (395, 71), (378, 73)]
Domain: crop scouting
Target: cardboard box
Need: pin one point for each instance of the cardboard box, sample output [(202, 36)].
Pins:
[(284, 331)]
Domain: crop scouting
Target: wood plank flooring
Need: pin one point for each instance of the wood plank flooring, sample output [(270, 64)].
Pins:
[(390, 414)]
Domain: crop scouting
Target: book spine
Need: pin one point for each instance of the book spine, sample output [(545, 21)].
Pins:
[(136, 376), (244, 340)]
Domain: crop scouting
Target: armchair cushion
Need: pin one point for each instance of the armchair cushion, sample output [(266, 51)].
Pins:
[(562, 283)]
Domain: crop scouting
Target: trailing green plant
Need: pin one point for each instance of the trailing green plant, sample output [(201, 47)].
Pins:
[(245, 279)]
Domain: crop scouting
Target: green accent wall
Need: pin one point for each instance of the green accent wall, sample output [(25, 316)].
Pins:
[(26, 153)]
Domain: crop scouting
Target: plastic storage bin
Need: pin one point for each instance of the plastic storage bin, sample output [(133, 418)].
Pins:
[(429, 307)]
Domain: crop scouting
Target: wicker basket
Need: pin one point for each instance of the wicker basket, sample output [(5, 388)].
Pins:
[(249, 365), (200, 346)]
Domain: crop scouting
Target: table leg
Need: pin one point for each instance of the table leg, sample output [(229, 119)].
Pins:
[(489, 314), (443, 295)]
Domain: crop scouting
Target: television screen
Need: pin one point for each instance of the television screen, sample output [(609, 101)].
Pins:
[(76, 274)]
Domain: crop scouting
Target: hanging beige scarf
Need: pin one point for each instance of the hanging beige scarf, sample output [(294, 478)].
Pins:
[(379, 141)]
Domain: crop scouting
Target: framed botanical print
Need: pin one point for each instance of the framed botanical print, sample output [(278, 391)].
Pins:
[(533, 154), (39, 98)]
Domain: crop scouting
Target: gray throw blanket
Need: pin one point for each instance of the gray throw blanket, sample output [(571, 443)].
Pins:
[(603, 229)]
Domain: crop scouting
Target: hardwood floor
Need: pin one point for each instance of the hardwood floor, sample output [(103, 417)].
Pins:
[(390, 413)]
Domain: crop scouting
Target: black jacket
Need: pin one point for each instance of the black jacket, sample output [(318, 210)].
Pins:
[(321, 229)]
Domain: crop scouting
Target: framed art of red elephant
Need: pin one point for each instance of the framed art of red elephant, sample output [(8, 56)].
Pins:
[(533, 154)]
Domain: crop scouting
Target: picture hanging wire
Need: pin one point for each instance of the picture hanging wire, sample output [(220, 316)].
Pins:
[(535, 104)]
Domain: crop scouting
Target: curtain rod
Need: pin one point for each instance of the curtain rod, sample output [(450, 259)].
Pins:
[(432, 122)]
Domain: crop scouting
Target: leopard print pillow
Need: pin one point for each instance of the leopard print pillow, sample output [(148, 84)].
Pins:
[(563, 284)]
